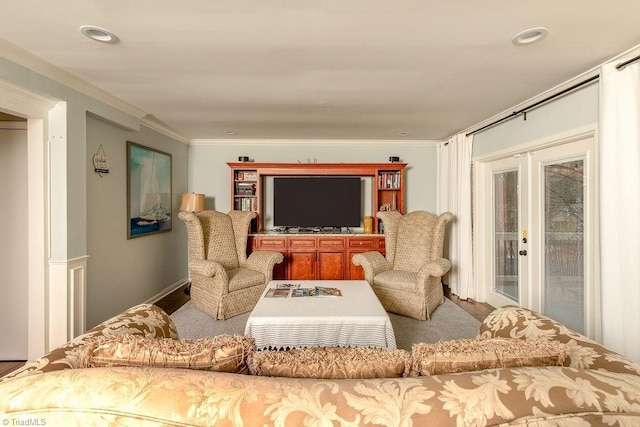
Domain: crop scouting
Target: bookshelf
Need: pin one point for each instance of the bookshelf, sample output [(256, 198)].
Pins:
[(387, 190), (245, 192)]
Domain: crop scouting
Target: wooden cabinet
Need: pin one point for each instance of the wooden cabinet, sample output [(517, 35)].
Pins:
[(301, 258), (387, 190), (358, 245), (317, 257), (331, 258), (277, 244)]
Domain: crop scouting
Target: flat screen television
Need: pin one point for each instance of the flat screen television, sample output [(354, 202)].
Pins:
[(317, 201)]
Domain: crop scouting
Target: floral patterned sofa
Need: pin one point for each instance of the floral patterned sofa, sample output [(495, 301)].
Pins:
[(593, 386)]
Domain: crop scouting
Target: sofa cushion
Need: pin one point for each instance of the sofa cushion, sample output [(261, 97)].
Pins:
[(518, 322), (397, 279), (465, 355), (241, 278), (331, 363), (144, 319), (223, 353)]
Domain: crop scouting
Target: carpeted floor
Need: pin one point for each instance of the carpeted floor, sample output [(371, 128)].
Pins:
[(447, 322)]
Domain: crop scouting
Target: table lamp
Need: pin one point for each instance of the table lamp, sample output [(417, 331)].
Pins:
[(192, 202)]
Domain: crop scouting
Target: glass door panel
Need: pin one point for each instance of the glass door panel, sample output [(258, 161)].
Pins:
[(563, 246), (505, 234)]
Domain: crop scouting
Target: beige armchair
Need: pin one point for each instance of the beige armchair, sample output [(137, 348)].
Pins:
[(408, 280), (224, 282)]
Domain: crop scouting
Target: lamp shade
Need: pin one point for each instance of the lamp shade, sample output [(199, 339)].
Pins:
[(192, 202)]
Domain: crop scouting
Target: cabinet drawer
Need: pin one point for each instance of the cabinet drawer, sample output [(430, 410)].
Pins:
[(299, 242), (362, 243), (271, 243), (331, 242), (381, 243)]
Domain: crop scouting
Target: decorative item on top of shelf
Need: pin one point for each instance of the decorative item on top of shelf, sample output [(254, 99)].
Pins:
[(243, 158), (192, 202), (394, 159)]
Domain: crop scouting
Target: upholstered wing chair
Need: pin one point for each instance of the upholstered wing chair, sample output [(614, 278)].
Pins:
[(407, 280), (224, 281)]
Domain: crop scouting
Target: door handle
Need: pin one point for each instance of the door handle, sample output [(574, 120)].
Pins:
[(523, 253)]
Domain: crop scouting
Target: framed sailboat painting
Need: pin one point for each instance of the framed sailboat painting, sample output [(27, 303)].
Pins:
[(148, 191)]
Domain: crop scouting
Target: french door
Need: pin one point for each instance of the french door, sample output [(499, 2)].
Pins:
[(539, 237)]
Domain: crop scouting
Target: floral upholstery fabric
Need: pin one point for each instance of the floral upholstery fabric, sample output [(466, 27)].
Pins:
[(331, 363), (152, 396), (465, 355), (224, 281), (144, 319), (156, 396), (222, 353), (518, 322)]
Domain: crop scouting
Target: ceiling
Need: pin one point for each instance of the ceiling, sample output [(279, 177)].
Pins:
[(323, 69)]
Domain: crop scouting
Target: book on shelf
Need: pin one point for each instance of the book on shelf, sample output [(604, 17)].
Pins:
[(389, 180)]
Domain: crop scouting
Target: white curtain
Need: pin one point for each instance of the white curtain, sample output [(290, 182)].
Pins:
[(620, 208), (454, 195)]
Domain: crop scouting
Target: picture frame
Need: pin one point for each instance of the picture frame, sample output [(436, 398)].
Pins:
[(149, 189)]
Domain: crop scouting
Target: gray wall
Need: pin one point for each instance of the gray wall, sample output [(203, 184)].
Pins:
[(88, 213), (209, 173), (123, 272)]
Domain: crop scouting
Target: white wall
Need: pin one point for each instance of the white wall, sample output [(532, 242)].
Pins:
[(209, 173), (13, 251), (572, 111)]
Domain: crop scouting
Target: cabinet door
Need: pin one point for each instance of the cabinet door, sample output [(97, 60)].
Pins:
[(355, 246), (301, 265), (276, 244), (331, 265)]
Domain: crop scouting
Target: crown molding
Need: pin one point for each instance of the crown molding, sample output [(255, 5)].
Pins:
[(40, 66), (163, 129), (321, 142), (28, 60)]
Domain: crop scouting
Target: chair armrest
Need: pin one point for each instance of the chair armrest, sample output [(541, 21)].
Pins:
[(264, 261), (436, 268), (372, 263), (207, 268)]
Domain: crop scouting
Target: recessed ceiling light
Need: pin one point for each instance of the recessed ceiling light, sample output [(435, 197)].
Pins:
[(230, 132), (404, 134), (98, 34), (532, 35)]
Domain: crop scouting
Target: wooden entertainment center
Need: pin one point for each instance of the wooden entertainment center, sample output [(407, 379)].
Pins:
[(316, 256)]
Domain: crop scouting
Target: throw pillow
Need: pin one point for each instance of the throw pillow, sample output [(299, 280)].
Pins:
[(331, 363), (466, 355), (223, 353)]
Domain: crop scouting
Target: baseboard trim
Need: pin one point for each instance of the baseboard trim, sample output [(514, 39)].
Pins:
[(169, 289)]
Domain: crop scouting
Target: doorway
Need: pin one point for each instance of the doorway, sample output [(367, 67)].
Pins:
[(538, 244), (14, 262)]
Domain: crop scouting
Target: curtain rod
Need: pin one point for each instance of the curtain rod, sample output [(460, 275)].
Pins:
[(625, 63), (534, 105)]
